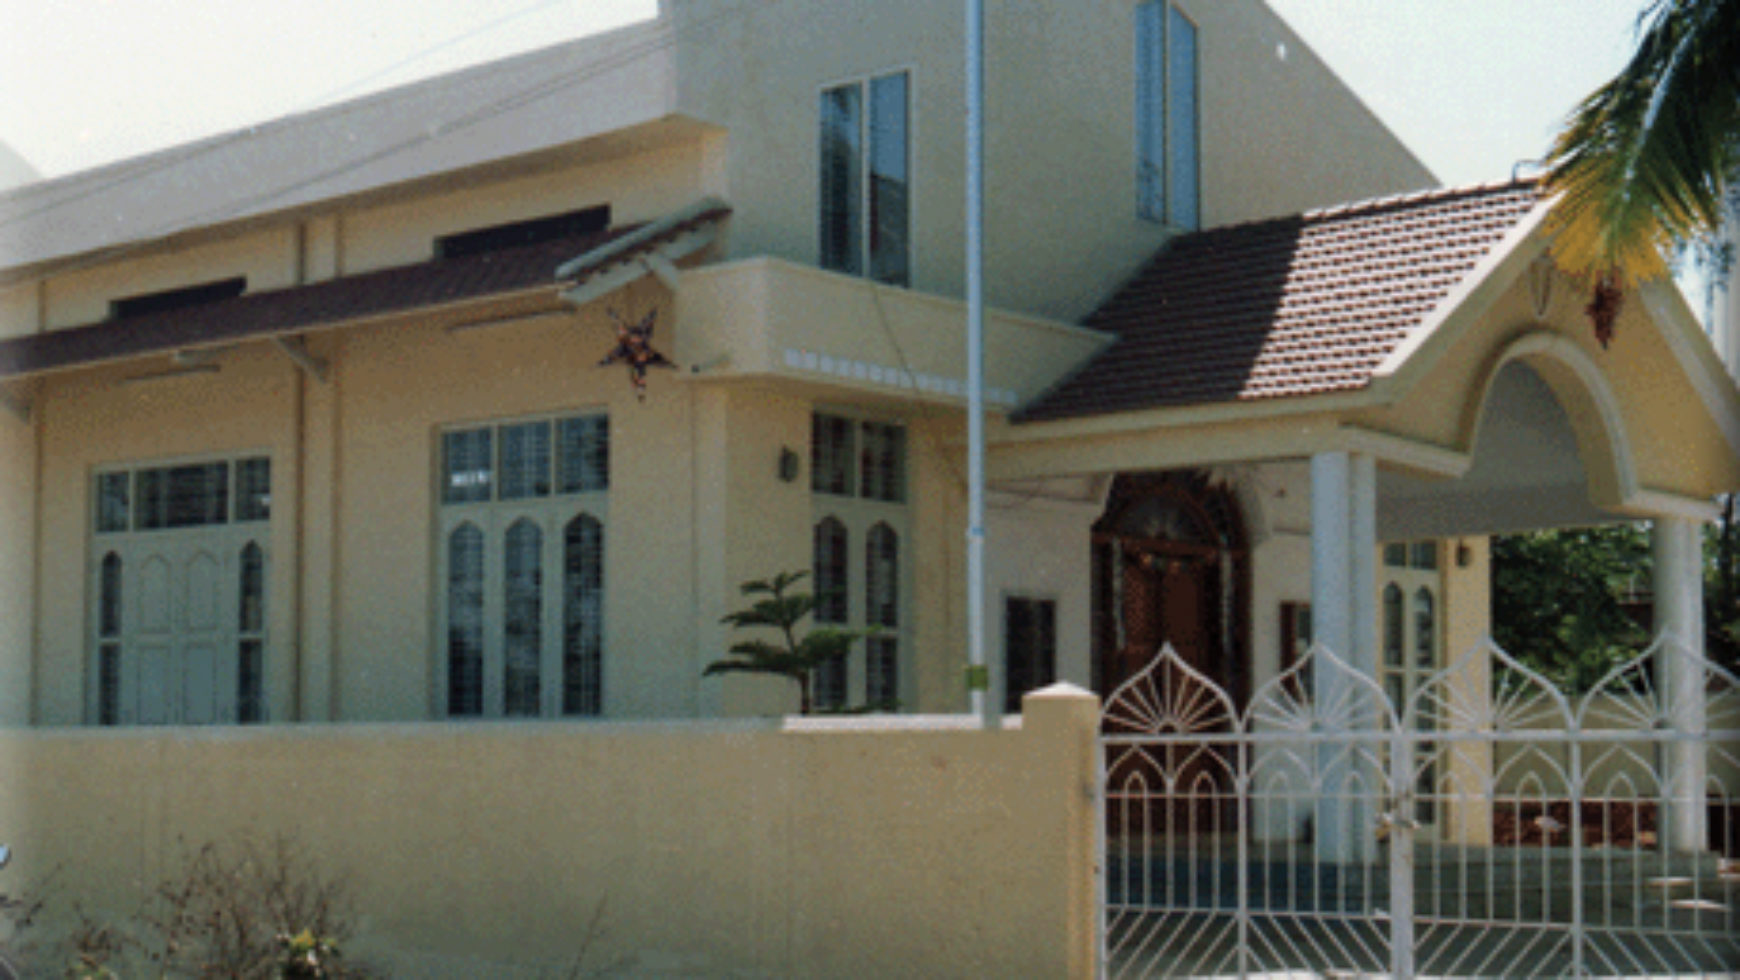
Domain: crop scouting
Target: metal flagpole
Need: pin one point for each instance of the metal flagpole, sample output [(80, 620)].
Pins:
[(978, 671)]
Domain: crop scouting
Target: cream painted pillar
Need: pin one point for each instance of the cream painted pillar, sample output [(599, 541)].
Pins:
[(1344, 621), (18, 520), (1679, 621)]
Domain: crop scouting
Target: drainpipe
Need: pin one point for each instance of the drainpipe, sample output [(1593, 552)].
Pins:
[(978, 671)]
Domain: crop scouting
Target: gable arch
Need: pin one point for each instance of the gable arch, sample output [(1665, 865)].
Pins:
[(1596, 419)]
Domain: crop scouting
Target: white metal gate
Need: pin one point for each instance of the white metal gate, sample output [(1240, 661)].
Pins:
[(1595, 835)]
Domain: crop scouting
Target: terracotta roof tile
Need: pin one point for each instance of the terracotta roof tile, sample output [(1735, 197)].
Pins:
[(1300, 305)]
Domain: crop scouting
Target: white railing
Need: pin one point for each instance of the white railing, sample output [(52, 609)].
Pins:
[(1469, 832)]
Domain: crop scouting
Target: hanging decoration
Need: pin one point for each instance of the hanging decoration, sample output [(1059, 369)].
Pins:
[(1603, 308), (634, 348)]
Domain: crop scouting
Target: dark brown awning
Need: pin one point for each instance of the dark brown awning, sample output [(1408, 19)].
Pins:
[(528, 269)]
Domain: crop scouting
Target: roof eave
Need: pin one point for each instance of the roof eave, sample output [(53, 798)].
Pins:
[(1460, 308), (1341, 401)]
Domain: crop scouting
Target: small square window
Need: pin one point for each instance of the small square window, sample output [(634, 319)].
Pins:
[(882, 465), (584, 453), (831, 442), (467, 466), (1425, 555), (525, 460)]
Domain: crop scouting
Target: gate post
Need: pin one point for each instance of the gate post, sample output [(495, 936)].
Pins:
[(1401, 824), (1064, 722)]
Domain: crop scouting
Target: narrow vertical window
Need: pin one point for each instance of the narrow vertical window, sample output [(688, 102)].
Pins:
[(882, 614), (1426, 720), (1150, 110), (250, 644), (109, 641), (1394, 626), (109, 685), (1181, 125), (1425, 628), (522, 619), (888, 180), (465, 621), (582, 616), (842, 179), (832, 607), (1167, 124), (864, 206), (1029, 648)]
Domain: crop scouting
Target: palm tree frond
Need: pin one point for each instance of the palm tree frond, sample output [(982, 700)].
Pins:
[(1642, 163)]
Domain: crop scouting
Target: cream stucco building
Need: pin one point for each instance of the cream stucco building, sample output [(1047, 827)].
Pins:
[(321, 446), (308, 423)]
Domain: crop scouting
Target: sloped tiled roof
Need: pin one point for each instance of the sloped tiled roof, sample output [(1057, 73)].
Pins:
[(1300, 305), (401, 289)]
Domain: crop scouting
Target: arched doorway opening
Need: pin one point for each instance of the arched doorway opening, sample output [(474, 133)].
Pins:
[(1171, 564)]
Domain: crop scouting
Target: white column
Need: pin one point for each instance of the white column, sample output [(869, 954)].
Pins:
[(1679, 621), (1343, 621), (1362, 653), (1331, 541)]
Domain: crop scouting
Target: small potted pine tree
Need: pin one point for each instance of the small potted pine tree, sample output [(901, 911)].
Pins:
[(791, 656)]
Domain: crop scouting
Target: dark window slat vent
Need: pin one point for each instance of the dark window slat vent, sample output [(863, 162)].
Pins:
[(176, 299), (572, 224)]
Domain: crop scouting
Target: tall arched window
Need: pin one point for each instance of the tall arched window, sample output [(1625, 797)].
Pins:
[(882, 613), (582, 616), (525, 606), (1425, 628), (860, 473), (833, 605), (1410, 653), (465, 620), (522, 618)]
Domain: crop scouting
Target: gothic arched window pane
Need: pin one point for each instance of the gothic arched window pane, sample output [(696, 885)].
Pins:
[(465, 621), (1394, 628), (523, 615), (1425, 628), (583, 616)]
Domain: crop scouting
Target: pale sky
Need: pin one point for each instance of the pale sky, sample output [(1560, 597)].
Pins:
[(1471, 85)]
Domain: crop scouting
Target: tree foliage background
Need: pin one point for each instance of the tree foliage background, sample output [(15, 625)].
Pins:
[(1568, 603)]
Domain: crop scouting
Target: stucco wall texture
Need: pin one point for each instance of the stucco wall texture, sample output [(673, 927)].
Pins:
[(899, 847)]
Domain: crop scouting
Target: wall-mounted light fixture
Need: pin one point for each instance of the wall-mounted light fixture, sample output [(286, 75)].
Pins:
[(788, 464), (1464, 554)]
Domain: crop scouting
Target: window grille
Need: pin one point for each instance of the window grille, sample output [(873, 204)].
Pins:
[(522, 507)]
